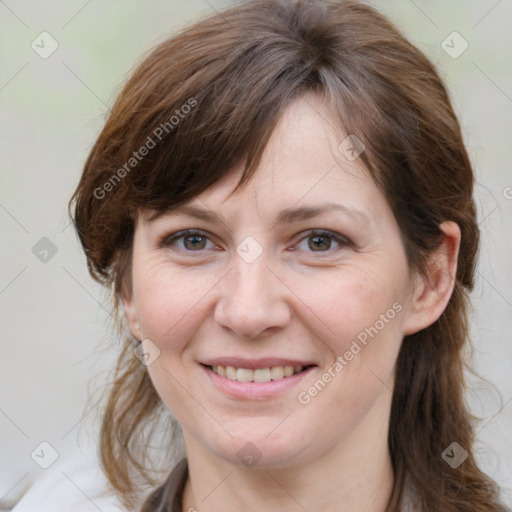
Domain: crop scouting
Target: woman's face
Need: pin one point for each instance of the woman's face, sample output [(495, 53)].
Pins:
[(302, 268)]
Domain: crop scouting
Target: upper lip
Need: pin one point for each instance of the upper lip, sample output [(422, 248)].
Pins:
[(253, 364)]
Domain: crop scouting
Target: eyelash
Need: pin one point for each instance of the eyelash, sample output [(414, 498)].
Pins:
[(342, 241)]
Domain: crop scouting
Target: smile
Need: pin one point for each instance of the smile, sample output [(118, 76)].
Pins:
[(267, 379), (256, 375)]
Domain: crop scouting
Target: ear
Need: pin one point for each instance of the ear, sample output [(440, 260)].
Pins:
[(433, 291), (130, 313)]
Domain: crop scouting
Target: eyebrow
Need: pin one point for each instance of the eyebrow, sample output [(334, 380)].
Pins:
[(287, 216)]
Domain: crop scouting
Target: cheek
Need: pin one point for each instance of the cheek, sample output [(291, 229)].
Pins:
[(169, 308), (357, 304), (364, 319), (167, 301)]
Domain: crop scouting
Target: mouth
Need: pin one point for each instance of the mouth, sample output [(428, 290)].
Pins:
[(261, 379), (264, 378), (265, 374)]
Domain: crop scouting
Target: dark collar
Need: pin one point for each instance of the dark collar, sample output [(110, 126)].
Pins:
[(167, 497)]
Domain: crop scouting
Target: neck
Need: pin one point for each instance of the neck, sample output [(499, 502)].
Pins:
[(355, 475)]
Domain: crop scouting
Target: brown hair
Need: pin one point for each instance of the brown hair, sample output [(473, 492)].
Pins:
[(237, 72)]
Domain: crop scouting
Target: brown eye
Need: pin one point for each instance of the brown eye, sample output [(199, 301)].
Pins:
[(321, 241), (193, 241)]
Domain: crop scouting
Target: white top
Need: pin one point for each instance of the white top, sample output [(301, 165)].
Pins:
[(77, 485)]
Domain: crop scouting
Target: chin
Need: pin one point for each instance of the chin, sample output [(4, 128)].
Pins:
[(261, 452)]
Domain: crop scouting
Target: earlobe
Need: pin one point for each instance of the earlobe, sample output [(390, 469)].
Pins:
[(433, 291), (130, 314)]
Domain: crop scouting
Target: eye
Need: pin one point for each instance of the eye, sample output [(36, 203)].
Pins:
[(321, 241), (193, 241)]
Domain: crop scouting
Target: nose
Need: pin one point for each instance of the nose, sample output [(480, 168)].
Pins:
[(253, 299)]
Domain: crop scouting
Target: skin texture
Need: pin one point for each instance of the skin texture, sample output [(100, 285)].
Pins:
[(196, 302)]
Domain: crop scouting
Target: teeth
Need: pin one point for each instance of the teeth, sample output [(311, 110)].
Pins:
[(262, 375), (244, 375), (258, 375), (276, 372), (230, 372)]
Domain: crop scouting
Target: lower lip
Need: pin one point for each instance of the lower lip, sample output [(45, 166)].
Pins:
[(255, 390)]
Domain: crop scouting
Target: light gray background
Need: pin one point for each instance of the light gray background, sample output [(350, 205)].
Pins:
[(54, 319)]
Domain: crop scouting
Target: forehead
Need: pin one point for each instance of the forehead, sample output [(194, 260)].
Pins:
[(304, 166)]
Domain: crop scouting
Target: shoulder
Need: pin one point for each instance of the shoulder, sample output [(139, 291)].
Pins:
[(75, 484)]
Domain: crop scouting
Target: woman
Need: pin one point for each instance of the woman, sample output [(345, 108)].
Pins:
[(281, 202)]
